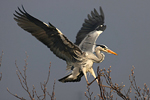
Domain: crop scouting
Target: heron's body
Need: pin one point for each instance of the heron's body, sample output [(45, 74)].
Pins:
[(80, 55)]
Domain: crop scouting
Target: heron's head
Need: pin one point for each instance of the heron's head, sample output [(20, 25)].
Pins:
[(104, 48)]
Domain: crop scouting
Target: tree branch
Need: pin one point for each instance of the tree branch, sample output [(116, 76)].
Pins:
[(22, 76), (1, 64)]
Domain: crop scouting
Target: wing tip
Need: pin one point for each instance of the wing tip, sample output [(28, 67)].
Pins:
[(102, 13)]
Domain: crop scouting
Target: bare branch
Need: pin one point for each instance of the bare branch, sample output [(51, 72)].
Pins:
[(23, 79), (89, 95), (15, 95), (44, 89), (140, 94), (133, 83), (145, 95), (116, 88), (43, 86), (1, 64), (52, 96), (22, 76)]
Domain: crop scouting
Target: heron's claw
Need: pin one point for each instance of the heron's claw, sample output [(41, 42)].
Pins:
[(89, 84)]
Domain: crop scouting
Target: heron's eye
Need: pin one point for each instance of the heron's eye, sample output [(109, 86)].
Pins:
[(104, 48)]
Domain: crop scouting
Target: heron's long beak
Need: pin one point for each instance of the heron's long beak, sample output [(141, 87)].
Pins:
[(112, 52)]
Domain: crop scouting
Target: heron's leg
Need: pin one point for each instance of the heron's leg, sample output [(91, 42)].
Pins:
[(84, 72), (93, 73)]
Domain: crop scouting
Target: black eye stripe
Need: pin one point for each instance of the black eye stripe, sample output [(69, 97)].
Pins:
[(103, 46)]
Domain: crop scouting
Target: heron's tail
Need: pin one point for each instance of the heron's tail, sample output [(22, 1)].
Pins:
[(71, 78)]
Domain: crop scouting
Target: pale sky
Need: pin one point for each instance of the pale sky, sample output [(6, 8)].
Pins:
[(127, 34)]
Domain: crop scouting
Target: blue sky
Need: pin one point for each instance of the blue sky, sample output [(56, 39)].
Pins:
[(127, 34)]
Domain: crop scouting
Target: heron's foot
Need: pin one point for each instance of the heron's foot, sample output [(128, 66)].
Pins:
[(88, 84), (91, 82)]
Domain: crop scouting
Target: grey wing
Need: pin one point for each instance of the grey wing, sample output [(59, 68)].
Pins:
[(88, 43), (48, 35), (90, 30)]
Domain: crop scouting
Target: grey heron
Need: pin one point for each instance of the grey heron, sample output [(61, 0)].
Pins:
[(79, 56)]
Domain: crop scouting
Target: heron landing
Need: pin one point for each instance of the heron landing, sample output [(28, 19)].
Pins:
[(79, 56)]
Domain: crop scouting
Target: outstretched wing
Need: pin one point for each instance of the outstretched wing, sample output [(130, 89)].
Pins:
[(91, 29), (48, 35)]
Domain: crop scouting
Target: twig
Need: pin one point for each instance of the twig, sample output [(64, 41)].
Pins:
[(89, 96), (133, 82), (44, 89), (43, 86), (102, 95), (52, 96), (116, 88), (128, 92), (1, 64), (145, 95), (15, 95)]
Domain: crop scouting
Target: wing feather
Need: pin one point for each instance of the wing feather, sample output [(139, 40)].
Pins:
[(48, 35), (94, 20)]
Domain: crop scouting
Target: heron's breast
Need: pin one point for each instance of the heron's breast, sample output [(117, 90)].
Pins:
[(88, 64)]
